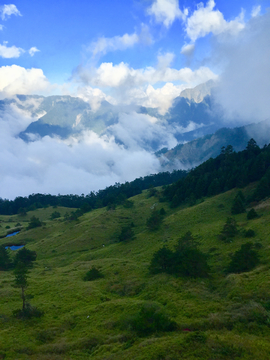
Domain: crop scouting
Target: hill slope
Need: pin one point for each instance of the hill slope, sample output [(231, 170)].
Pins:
[(220, 317)]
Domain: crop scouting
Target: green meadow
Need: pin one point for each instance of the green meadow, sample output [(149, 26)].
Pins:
[(222, 316)]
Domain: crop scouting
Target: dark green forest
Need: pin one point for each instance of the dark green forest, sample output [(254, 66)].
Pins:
[(227, 171)]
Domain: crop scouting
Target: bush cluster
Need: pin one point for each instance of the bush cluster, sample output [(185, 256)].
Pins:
[(28, 312), (34, 222), (93, 274), (244, 259), (185, 260), (150, 319), (154, 221)]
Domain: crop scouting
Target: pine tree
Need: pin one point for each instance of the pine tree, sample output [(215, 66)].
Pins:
[(5, 261), (238, 206), (21, 279)]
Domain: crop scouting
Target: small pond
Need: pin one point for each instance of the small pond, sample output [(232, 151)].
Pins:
[(14, 247), (12, 234)]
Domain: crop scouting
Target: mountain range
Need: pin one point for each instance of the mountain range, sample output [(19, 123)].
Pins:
[(189, 133), (189, 117)]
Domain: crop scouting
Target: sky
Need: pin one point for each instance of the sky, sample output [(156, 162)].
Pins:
[(142, 52)]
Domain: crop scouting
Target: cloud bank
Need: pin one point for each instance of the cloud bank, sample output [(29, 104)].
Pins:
[(244, 86), (77, 165)]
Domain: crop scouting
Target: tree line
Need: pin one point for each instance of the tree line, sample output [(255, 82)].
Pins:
[(112, 195)]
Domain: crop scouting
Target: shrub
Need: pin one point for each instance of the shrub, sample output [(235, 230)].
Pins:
[(93, 274), (55, 215), (45, 336), (244, 259), (73, 216), (229, 230), (154, 221), (196, 337), (126, 234), (34, 222), (28, 312), (249, 233), (151, 319), (252, 214)]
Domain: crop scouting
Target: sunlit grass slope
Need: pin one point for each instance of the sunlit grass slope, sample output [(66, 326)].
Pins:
[(226, 315)]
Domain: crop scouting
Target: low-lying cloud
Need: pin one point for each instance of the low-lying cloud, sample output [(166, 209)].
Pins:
[(77, 165)]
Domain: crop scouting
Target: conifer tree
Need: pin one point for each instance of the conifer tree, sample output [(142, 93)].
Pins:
[(5, 261), (21, 279)]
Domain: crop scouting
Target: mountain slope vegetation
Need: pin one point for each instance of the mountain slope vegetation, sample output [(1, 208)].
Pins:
[(226, 171)]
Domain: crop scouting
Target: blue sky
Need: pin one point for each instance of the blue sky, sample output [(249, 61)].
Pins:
[(97, 46)]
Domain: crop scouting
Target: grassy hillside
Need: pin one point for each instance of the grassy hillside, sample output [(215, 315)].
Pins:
[(219, 317)]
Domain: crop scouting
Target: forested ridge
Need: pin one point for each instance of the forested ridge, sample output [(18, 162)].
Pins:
[(225, 172)]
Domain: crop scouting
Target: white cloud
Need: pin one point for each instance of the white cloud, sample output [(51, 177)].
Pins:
[(1, 27), (33, 50), (161, 98), (256, 11), (104, 44), (188, 49), (18, 80), (122, 75), (244, 89), (50, 165), (127, 85), (166, 11), (8, 10), (206, 20), (137, 131), (93, 96), (10, 52)]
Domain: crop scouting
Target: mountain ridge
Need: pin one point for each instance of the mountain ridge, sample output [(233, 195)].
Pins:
[(199, 150)]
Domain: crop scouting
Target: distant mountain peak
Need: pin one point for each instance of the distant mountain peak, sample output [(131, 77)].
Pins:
[(199, 92)]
